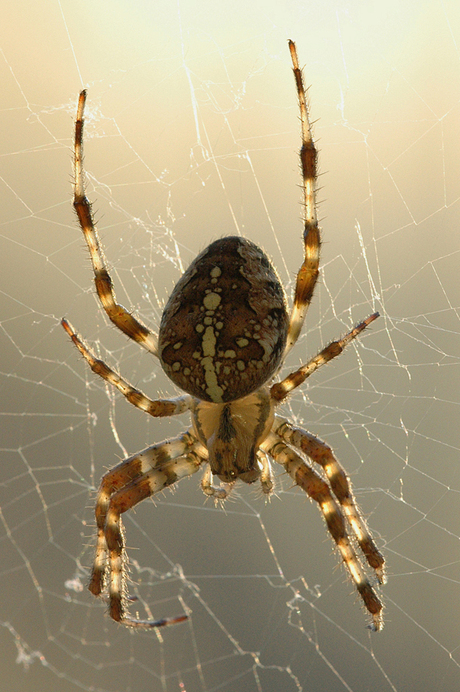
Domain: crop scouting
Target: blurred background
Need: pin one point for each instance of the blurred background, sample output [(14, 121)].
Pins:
[(192, 132)]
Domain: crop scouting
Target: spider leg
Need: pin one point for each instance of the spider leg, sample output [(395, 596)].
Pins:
[(120, 476), (308, 272), (123, 487), (122, 319), (157, 408), (280, 390), (319, 452), (317, 488)]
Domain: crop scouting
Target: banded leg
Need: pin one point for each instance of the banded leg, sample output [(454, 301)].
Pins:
[(121, 488), (319, 452), (280, 390), (308, 272), (122, 319), (316, 488), (157, 408)]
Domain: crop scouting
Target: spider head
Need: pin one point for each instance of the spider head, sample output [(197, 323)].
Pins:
[(232, 434)]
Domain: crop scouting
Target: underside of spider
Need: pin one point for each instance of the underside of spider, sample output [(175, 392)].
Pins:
[(224, 334)]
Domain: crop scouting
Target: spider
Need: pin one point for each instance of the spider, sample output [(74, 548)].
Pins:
[(224, 334)]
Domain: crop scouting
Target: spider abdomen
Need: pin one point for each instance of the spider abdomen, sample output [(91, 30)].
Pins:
[(224, 327)]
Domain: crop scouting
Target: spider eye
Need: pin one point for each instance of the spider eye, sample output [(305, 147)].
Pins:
[(223, 331)]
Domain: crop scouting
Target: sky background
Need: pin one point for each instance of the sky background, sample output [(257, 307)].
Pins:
[(192, 133)]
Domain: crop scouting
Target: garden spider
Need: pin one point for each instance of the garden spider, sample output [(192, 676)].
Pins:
[(224, 334)]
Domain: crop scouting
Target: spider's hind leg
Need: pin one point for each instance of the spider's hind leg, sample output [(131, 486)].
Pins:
[(121, 318), (309, 270)]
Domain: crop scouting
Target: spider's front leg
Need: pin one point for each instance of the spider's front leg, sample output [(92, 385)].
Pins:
[(123, 487), (317, 488), (319, 452)]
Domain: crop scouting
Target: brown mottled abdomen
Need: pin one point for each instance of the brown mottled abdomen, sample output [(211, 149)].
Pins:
[(223, 330)]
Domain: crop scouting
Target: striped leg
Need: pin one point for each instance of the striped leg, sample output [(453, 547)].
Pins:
[(123, 487), (308, 272), (157, 408), (120, 476), (280, 390), (321, 453), (316, 488), (117, 313)]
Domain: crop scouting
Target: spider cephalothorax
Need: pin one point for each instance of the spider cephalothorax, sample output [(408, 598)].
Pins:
[(223, 337)]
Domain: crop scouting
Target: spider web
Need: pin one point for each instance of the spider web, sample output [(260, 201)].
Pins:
[(192, 133)]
